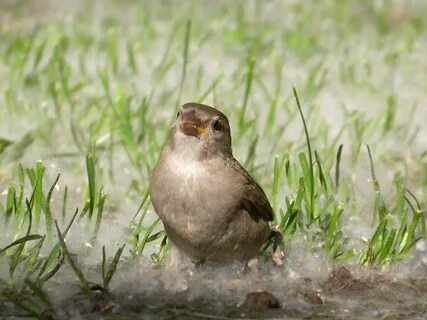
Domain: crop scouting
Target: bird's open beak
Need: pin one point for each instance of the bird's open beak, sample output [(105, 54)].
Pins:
[(191, 124)]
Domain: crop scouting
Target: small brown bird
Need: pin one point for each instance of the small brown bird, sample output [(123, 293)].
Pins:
[(210, 206)]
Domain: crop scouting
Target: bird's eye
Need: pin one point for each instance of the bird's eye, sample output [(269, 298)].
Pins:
[(217, 125), (178, 113)]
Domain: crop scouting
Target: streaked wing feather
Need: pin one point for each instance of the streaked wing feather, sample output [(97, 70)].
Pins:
[(254, 200)]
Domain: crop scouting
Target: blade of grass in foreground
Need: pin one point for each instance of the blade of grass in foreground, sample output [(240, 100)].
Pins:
[(17, 254), (321, 173), (48, 212), (310, 155), (90, 168), (99, 213), (10, 201), (36, 178), (22, 240), (38, 292), (144, 200), (379, 200), (337, 166), (73, 264), (20, 305), (64, 203), (279, 164), (144, 240), (107, 275), (54, 253)]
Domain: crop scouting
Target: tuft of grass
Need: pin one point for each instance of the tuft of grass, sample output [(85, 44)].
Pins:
[(33, 266), (394, 234), (315, 206)]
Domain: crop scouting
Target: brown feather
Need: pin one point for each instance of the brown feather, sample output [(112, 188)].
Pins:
[(254, 200)]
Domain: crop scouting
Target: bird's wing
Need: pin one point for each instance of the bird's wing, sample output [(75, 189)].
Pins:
[(254, 200)]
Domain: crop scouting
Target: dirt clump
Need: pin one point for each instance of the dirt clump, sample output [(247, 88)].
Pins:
[(260, 301)]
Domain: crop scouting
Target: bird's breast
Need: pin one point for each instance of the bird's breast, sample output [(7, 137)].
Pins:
[(196, 192)]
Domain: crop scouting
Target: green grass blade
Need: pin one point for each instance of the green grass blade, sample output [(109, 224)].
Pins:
[(337, 166), (38, 192), (90, 169), (113, 266), (104, 266), (17, 254), (147, 234), (143, 202), (379, 201), (99, 213), (184, 60), (321, 173), (21, 241), (212, 87), (10, 201), (73, 264), (21, 306), (277, 178), (155, 236), (385, 250), (54, 253), (310, 154), (48, 212), (272, 113), (4, 143), (43, 277), (250, 66), (64, 203), (38, 291)]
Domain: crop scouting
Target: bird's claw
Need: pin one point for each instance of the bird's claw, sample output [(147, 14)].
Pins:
[(278, 255)]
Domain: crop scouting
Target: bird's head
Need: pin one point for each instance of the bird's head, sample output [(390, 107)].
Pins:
[(201, 130)]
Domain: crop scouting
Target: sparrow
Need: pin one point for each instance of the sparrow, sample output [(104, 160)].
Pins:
[(210, 206)]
